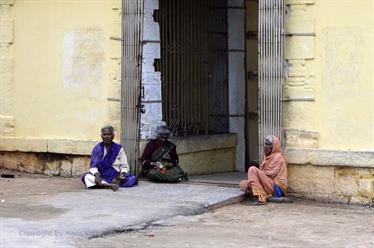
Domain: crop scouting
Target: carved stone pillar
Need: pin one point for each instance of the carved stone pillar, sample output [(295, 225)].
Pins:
[(299, 92)]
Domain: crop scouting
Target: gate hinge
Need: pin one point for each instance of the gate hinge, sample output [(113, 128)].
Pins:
[(251, 35), (156, 15), (157, 64), (251, 115), (252, 75)]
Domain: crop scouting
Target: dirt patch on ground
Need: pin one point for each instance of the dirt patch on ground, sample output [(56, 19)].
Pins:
[(27, 187)]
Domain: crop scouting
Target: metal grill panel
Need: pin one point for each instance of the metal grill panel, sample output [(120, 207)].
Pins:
[(271, 57), (189, 88), (132, 29)]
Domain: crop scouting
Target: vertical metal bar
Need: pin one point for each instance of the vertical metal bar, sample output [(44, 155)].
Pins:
[(275, 59), (193, 13), (271, 52), (166, 59), (165, 104), (205, 100), (272, 59), (266, 76), (280, 65), (266, 65), (282, 70), (176, 59), (192, 63), (263, 113), (275, 63), (169, 49), (184, 59), (172, 51), (271, 64), (260, 53), (200, 65), (197, 63), (194, 91)]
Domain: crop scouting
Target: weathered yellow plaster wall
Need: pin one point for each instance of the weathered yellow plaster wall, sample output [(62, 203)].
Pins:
[(197, 155), (66, 64), (6, 68), (333, 184), (345, 83), (329, 93), (330, 88)]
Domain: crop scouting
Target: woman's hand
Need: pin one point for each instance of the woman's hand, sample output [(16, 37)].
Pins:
[(154, 165)]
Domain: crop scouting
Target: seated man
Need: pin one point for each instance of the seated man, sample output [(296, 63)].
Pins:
[(108, 167), (160, 159), (271, 178)]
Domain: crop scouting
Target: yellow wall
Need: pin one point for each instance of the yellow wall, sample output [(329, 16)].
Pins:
[(332, 65), (329, 115), (65, 66), (345, 85)]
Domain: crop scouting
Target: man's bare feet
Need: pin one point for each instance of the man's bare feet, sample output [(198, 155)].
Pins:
[(115, 187), (111, 186)]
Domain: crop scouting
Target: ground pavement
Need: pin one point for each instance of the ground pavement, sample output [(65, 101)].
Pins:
[(39, 211)]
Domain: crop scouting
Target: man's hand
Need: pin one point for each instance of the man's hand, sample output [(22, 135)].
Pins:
[(116, 181), (98, 179), (119, 179), (122, 175)]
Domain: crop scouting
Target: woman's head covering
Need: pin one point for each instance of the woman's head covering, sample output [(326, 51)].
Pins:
[(162, 130), (269, 140), (272, 140), (277, 147)]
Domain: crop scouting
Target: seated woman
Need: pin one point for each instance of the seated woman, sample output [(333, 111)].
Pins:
[(271, 178), (160, 159), (108, 167)]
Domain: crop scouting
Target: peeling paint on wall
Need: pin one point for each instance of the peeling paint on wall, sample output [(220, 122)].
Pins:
[(151, 79), (84, 57)]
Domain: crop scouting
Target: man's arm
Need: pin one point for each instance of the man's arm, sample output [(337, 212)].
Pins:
[(95, 160), (94, 171), (124, 165)]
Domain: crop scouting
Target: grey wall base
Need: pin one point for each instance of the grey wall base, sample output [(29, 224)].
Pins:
[(205, 154)]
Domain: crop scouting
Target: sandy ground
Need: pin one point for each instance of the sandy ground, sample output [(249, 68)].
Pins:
[(28, 187), (299, 224)]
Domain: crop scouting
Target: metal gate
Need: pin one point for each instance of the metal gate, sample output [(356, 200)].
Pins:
[(194, 66), (271, 46), (132, 33)]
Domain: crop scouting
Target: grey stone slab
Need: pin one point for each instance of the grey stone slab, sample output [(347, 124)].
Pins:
[(62, 219), (229, 179)]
